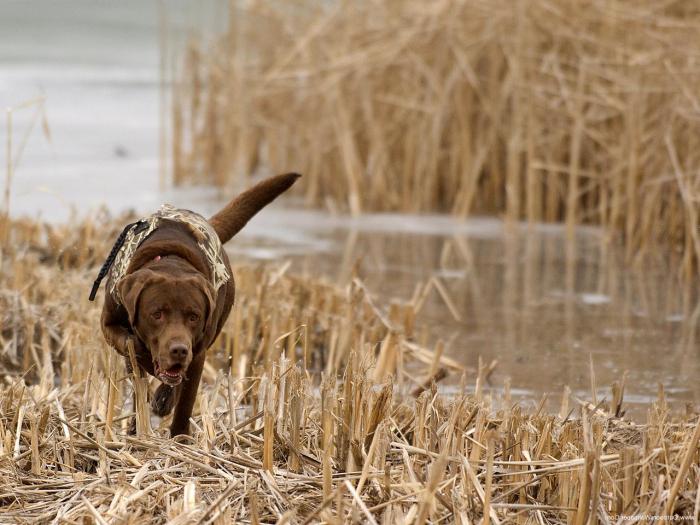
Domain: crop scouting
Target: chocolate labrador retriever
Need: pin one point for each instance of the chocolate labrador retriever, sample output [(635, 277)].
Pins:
[(170, 290)]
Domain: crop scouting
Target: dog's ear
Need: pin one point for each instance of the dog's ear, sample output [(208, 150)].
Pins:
[(130, 288)]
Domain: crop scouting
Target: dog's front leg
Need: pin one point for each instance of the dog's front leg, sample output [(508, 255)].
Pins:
[(117, 336), (115, 327), (188, 394)]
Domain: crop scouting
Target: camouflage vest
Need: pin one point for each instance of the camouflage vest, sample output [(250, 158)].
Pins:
[(208, 242)]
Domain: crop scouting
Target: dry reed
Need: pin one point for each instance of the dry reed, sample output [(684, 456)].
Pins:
[(303, 417), (541, 110)]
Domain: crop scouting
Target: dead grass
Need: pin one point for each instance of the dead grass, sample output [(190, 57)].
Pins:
[(541, 110), (309, 412)]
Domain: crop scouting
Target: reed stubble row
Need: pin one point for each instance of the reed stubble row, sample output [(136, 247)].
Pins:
[(317, 406)]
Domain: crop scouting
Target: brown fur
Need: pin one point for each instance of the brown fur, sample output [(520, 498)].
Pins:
[(171, 312)]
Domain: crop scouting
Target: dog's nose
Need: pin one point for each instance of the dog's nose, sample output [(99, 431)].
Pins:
[(178, 351)]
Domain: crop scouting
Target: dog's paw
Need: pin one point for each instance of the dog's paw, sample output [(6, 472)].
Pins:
[(163, 400)]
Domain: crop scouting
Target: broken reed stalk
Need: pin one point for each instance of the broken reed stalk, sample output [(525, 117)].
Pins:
[(490, 437), (277, 443), (552, 111), (690, 453), (8, 179), (140, 388), (12, 156)]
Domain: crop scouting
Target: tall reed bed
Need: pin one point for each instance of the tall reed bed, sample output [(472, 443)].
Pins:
[(318, 404), (585, 112)]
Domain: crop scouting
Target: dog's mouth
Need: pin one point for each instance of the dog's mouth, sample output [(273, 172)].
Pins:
[(171, 376)]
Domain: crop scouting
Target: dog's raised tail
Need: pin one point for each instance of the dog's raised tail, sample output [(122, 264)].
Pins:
[(236, 214)]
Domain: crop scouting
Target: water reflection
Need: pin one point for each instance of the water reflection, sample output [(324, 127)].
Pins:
[(543, 307)]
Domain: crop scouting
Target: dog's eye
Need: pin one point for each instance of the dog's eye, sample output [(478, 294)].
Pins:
[(194, 318), (157, 315)]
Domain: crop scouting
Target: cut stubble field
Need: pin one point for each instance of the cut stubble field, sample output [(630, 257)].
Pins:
[(319, 404)]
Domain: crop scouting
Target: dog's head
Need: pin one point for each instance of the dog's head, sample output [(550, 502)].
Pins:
[(171, 315)]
